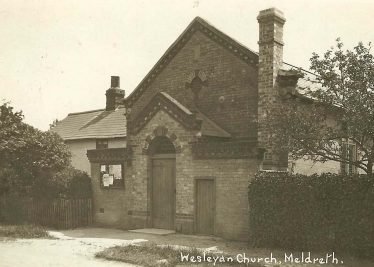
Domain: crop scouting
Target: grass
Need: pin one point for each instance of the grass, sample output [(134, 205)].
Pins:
[(23, 231), (150, 255)]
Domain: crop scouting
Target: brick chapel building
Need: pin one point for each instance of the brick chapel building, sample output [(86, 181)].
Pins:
[(178, 153)]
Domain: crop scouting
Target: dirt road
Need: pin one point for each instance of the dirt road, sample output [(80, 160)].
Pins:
[(62, 252)]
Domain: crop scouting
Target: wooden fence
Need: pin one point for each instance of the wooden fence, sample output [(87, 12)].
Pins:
[(57, 213)]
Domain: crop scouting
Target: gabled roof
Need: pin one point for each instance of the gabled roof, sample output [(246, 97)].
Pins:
[(190, 120), (92, 124), (294, 81), (111, 124), (210, 128), (308, 79), (201, 25)]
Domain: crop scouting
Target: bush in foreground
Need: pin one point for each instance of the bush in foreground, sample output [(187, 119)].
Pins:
[(317, 212), (150, 255), (23, 231)]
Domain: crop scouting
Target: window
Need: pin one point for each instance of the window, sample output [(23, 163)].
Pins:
[(101, 143), (111, 175), (349, 152)]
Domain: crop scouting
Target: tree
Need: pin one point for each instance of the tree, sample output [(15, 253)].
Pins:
[(53, 124), (27, 154), (319, 122)]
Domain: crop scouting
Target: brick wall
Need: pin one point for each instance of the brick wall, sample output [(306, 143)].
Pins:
[(227, 76), (109, 205)]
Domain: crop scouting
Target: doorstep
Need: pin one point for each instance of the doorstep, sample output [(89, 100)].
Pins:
[(153, 231)]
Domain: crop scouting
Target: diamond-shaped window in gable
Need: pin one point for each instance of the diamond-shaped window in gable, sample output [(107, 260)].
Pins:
[(196, 81)]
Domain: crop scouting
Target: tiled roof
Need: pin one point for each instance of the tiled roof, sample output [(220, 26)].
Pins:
[(93, 124), (175, 102), (307, 81), (191, 120), (210, 128), (110, 124)]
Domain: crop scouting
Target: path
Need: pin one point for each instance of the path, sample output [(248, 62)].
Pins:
[(64, 252)]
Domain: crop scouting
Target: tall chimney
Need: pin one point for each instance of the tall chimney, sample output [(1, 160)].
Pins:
[(270, 43), (114, 95), (114, 81)]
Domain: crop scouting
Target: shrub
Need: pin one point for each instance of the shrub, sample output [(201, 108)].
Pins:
[(68, 183), (326, 211), (12, 209), (80, 185), (28, 155)]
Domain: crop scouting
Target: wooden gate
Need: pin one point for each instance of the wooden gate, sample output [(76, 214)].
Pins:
[(205, 206), (163, 192)]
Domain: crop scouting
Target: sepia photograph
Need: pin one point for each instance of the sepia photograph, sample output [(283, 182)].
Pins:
[(186, 133)]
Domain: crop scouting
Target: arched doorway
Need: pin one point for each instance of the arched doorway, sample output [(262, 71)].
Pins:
[(162, 183)]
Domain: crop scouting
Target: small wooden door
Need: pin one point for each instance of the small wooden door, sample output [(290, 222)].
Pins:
[(205, 206), (163, 193)]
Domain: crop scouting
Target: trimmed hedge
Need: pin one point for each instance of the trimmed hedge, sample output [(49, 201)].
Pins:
[(319, 212)]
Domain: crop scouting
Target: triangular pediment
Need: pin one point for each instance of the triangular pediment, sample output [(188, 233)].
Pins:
[(198, 24), (190, 120), (162, 101)]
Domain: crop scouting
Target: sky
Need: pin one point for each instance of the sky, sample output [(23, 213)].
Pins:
[(56, 57)]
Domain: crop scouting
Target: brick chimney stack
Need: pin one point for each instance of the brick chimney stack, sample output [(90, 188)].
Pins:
[(270, 43), (114, 95)]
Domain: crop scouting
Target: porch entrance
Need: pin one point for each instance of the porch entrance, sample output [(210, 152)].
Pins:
[(162, 154)]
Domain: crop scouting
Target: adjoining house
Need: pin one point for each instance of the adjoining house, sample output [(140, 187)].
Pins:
[(179, 151), (95, 129)]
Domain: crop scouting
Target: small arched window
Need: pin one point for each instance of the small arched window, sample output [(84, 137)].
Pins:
[(161, 145)]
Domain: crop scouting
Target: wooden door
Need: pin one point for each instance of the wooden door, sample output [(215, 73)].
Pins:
[(163, 193), (205, 206)]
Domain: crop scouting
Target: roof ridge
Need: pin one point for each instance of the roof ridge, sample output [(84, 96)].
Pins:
[(208, 24), (300, 68), (95, 110), (83, 112)]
